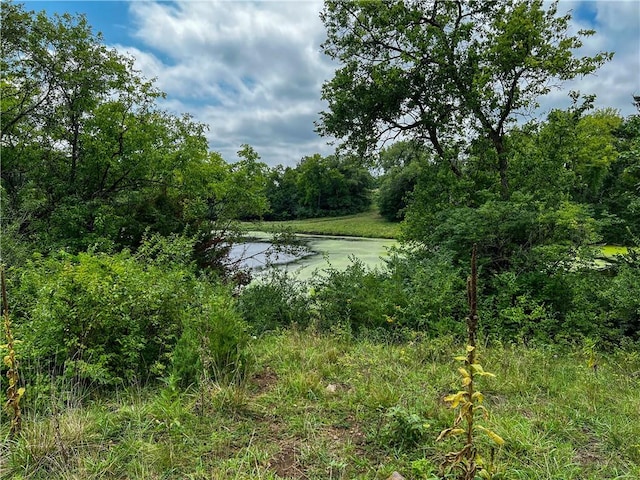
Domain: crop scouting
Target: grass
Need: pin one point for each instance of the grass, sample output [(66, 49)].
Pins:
[(368, 224), (609, 251), (331, 407)]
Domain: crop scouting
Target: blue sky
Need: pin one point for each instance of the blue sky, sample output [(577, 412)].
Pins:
[(252, 71)]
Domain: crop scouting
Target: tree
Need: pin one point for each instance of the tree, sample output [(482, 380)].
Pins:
[(318, 186), (401, 163), (78, 126), (282, 193), (332, 185), (88, 158), (444, 72), (621, 189)]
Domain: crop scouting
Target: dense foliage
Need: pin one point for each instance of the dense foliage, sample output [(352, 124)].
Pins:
[(114, 211), (317, 187), (116, 318), (451, 78), (88, 158), (401, 163)]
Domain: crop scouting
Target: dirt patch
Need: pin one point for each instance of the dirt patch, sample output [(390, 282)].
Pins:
[(343, 434), (590, 453), (286, 463), (265, 379)]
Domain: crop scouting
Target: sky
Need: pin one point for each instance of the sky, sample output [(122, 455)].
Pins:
[(253, 70)]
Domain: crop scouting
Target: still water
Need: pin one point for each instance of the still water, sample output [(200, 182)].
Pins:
[(321, 252)]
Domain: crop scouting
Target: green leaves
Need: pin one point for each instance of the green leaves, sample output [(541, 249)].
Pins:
[(106, 318), (446, 73), (89, 160)]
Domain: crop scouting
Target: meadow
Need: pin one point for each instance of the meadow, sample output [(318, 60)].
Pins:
[(324, 406), (368, 224)]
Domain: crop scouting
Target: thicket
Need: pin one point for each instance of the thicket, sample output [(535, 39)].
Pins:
[(113, 319), (423, 293)]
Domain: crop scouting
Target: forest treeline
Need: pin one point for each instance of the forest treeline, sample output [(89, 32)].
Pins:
[(117, 217)]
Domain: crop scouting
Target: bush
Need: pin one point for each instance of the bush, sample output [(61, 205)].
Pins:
[(275, 301), (213, 344), (428, 292), (565, 304), (354, 298), (623, 295), (100, 317), (112, 318), (414, 292)]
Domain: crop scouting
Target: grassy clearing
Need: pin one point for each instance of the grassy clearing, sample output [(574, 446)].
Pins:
[(329, 407), (610, 251), (369, 224)]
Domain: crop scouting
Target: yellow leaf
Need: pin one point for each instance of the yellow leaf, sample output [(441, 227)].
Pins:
[(478, 396), (464, 372), (466, 381), (477, 368), (454, 399), (448, 432), (461, 358), (482, 408), (470, 348), (494, 436), (484, 474), (21, 391)]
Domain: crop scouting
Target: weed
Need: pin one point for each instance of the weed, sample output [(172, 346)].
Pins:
[(14, 391), (404, 428), (468, 401)]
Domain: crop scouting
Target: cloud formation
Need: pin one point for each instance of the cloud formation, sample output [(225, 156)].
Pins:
[(253, 71), (617, 26)]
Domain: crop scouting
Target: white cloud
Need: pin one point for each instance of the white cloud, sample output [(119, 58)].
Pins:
[(253, 70), (617, 26)]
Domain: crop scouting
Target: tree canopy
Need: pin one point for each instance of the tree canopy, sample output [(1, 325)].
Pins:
[(319, 186), (444, 72), (89, 158)]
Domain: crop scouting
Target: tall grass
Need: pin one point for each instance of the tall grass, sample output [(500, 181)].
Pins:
[(329, 406)]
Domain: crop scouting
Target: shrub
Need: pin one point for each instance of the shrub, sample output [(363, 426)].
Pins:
[(275, 301), (213, 343), (113, 318), (414, 292), (404, 428), (354, 298), (105, 318), (428, 292), (623, 295)]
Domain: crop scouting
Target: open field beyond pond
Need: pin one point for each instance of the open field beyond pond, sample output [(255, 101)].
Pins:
[(369, 224)]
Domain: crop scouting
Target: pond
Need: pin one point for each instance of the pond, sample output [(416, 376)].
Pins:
[(321, 252)]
